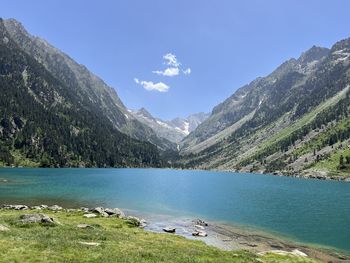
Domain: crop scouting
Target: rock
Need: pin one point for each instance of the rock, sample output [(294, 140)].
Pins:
[(38, 218), (55, 208), (200, 222), (199, 233), (20, 207), (98, 210), (84, 209), (115, 212), (169, 229), (84, 226), (136, 221), (31, 218), (44, 206), (89, 215), (199, 226), (4, 228), (92, 244), (299, 253), (104, 214), (36, 207), (48, 220)]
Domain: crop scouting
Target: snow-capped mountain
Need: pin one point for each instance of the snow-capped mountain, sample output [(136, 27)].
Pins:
[(174, 130)]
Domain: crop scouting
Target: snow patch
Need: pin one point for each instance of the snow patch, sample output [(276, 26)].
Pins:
[(163, 124)]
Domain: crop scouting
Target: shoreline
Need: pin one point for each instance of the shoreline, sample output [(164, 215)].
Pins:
[(220, 235), (302, 175), (227, 236)]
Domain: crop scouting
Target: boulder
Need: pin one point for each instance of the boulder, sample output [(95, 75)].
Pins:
[(104, 214), (38, 218), (98, 210), (169, 229), (36, 207), (200, 222), (44, 206), (84, 209), (19, 207), (89, 215), (198, 233), (55, 208), (136, 221), (115, 212)]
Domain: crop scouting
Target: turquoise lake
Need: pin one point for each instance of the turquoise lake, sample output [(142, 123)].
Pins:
[(305, 210)]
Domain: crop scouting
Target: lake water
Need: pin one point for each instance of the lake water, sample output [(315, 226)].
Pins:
[(310, 211)]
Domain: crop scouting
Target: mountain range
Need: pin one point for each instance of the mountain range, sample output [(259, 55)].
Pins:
[(294, 121), (174, 130), (55, 112)]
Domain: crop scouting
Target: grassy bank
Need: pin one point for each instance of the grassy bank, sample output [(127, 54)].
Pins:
[(116, 240)]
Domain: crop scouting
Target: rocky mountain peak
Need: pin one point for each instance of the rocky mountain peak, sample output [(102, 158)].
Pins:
[(315, 53), (145, 113)]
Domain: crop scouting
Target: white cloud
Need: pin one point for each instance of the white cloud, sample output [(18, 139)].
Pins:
[(174, 67), (149, 85), (169, 72), (187, 71), (171, 60)]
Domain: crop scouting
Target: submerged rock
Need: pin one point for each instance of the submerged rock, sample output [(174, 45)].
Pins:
[(198, 233), (200, 222), (199, 226)]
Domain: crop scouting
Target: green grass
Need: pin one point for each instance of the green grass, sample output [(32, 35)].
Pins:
[(120, 242)]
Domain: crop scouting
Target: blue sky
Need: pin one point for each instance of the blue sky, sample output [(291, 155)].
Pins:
[(224, 44)]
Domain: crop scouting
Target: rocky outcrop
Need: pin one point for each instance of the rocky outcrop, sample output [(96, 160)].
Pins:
[(38, 218)]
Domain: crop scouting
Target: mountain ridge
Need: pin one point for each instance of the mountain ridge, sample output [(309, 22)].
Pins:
[(86, 83), (46, 123), (173, 130), (270, 106)]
